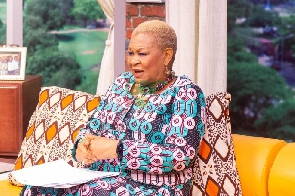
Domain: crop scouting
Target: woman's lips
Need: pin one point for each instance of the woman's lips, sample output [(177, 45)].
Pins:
[(138, 73)]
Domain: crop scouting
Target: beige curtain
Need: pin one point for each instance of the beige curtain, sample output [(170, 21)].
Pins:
[(106, 73), (181, 16), (200, 26), (212, 51)]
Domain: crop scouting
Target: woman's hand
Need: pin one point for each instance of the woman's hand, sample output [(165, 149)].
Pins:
[(103, 148), (83, 154)]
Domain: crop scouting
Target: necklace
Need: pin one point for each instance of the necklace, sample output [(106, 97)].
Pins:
[(150, 88)]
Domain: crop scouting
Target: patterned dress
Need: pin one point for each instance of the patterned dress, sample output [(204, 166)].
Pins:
[(160, 133)]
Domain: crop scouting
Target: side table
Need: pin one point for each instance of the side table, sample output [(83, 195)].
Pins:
[(18, 101)]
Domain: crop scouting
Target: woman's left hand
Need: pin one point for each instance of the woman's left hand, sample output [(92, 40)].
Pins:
[(103, 148), (83, 155)]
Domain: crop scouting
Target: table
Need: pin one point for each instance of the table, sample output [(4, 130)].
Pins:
[(18, 101)]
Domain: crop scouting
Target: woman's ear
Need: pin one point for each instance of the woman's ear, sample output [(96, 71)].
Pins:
[(168, 53)]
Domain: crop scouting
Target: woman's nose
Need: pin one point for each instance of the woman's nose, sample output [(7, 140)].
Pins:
[(133, 60)]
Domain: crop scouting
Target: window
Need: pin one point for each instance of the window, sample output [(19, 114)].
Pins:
[(261, 67), (146, 1), (65, 48), (2, 22)]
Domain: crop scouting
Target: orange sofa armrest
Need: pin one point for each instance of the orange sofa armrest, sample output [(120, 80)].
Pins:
[(282, 173), (254, 158)]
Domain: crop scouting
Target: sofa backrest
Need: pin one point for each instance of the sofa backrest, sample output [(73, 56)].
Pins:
[(61, 112)]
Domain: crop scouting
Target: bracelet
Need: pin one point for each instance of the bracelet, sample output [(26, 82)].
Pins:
[(76, 144), (74, 150), (119, 150), (81, 140)]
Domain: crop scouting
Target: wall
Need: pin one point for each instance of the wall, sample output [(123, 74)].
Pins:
[(137, 13)]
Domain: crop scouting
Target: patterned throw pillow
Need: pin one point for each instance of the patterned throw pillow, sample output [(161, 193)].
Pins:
[(215, 171), (53, 127)]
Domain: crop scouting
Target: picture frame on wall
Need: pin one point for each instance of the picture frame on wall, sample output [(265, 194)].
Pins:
[(12, 63)]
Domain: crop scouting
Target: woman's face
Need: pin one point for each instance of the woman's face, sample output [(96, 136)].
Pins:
[(145, 59)]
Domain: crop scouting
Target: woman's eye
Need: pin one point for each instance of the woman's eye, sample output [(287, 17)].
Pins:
[(130, 53), (142, 54)]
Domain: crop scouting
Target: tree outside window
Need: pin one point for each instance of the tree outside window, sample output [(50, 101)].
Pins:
[(65, 41), (261, 67)]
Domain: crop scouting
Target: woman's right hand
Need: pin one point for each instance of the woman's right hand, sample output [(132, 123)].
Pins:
[(83, 154)]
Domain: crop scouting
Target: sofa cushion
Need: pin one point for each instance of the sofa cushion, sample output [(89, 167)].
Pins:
[(53, 127), (7, 189), (282, 173), (254, 173), (215, 171)]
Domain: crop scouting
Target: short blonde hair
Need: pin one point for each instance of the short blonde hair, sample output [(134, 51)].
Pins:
[(163, 34)]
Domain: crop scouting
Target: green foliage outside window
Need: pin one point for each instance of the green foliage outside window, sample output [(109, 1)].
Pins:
[(47, 24), (43, 56), (87, 10), (2, 21), (2, 32), (262, 102)]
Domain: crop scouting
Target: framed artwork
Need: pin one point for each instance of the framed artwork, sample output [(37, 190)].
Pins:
[(12, 63)]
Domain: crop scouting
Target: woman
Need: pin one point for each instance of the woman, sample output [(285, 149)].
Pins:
[(148, 125)]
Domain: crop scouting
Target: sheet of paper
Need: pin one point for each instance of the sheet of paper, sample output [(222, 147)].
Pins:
[(57, 174)]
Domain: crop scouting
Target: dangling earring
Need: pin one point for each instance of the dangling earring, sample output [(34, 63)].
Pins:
[(167, 71)]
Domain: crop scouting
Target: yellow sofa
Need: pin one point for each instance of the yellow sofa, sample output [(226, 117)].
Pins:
[(6, 189), (266, 167)]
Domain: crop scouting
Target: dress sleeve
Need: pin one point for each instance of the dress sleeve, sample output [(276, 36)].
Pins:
[(94, 124), (91, 127), (183, 132), (86, 129)]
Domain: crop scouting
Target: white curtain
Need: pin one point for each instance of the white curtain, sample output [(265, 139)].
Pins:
[(181, 16), (212, 52), (201, 28), (106, 73)]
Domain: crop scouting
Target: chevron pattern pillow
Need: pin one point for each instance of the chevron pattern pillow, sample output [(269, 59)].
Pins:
[(215, 171), (52, 129)]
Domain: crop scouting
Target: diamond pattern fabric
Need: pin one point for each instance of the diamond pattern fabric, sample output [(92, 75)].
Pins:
[(215, 171), (53, 127)]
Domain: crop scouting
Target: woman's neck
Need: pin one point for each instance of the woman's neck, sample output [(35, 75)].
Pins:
[(152, 88)]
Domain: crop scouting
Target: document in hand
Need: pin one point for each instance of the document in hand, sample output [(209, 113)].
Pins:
[(58, 174)]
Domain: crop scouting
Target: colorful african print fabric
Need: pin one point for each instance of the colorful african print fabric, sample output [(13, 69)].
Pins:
[(160, 137)]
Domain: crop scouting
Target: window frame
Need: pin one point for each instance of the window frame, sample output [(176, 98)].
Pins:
[(14, 23), (145, 1)]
